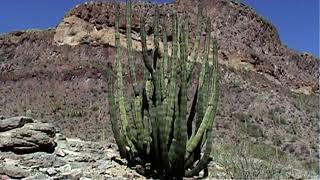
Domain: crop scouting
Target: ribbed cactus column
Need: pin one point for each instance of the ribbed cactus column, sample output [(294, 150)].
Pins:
[(137, 101), (119, 86), (119, 137)]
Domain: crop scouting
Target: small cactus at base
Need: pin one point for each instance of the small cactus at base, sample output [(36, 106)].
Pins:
[(166, 136)]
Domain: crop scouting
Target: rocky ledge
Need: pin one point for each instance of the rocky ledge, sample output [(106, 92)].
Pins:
[(30, 149), (25, 135)]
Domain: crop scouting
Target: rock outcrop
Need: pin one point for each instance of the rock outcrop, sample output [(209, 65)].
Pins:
[(25, 135)]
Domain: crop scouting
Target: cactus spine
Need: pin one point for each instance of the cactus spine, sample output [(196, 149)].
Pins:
[(167, 136)]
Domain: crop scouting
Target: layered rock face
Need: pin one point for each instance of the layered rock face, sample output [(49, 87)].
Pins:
[(60, 75)]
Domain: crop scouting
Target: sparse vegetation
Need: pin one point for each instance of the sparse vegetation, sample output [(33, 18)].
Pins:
[(73, 113), (251, 129), (28, 113), (248, 160), (275, 116)]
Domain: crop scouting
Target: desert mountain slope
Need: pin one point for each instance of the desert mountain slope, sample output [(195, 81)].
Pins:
[(268, 92)]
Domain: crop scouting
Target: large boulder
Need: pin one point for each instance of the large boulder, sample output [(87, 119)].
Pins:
[(25, 135)]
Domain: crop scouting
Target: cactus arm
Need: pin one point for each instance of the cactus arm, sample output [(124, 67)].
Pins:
[(172, 89), (156, 32), (187, 38), (136, 104), (196, 139), (195, 49), (120, 139), (163, 137), (164, 66), (129, 48), (138, 122), (157, 65), (156, 81), (119, 81), (203, 83), (180, 133), (215, 89), (146, 58), (147, 89), (210, 112), (163, 142), (171, 115), (205, 159), (164, 106), (213, 61), (119, 84), (147, 138)]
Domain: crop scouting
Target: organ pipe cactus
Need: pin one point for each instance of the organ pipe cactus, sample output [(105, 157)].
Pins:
[(161, 132)]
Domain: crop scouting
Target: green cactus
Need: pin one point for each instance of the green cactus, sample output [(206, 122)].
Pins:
[(168, 137)]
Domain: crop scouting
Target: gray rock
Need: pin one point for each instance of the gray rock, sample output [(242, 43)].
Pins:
[(13, 170), (51, 171), (14, 122), (60, 137), (84, 158), (60, 152), (42, 160), (23, 135), (64, 169), (38, 176)]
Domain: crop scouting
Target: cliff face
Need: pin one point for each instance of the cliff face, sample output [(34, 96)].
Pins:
[(59, 74), (245, 38)]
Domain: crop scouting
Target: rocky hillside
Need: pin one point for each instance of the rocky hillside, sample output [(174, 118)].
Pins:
[(269, 93)]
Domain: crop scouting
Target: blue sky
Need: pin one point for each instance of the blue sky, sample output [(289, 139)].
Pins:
[(297, 21)]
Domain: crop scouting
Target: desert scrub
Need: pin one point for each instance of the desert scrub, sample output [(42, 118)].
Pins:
[(29, 113), (275, 115), (56, 106), (251, 129), (164, 140), (247, 160), (69, 112)]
